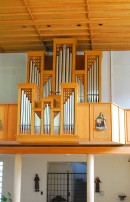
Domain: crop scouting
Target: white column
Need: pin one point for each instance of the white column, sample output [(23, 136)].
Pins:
[(44, 181), (17, 178), (90, 178)]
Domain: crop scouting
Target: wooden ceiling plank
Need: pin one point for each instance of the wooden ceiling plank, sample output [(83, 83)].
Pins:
[(41, 22), (61, 12), (90, 26), (30, 13)]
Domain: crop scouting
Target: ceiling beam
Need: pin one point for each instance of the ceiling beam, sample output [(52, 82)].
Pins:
[(64, 150)]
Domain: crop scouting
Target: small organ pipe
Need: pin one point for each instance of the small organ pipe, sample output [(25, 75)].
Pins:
[(33, 73), (97, 70), (73, 104), (47, 88), (39, 80), (70, 121), (22, 110), (60, 68), (64, 62), (57, 76), (31, 64), (57, 124), (67, 66), (70, 67), (95, 82)]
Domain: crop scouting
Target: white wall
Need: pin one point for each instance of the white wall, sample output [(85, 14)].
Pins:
[(115, 77), (114, 173), (12, 72), (121, 78)]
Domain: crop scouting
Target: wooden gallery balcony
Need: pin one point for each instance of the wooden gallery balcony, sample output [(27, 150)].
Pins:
[(49, 120)]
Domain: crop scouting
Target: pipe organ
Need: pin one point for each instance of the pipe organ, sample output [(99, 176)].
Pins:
[(47, 103)]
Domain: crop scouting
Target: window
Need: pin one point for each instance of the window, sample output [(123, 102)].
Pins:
[(1, 176)]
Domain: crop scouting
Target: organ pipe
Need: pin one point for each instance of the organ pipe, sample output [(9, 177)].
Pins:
[(93, 80), (47, 88), (57, 124), (47, 113), (68, 115), (63, 66), (25, 120), (34, 74), (81, 89)]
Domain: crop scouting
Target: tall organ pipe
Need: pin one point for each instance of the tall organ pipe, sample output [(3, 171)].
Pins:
[(25, 113), (57, 74), (63, 66), (34, 74), (47, 119), (64, 62), (67, 66), (93, 82), (60, 69), (69, 115)]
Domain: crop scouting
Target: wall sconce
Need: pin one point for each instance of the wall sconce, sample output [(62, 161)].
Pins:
[(0, 125), (122, 197)]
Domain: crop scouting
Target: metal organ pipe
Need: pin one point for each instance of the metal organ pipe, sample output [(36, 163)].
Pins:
[(57, 124), (63, 66), (68, 113), (93, 82), (25, 119), (47, 88), (81, 89), (47, 119), (57, 74), (34, 74), (97, 78)]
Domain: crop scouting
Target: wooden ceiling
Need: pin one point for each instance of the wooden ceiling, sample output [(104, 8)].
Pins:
[(96, 24)]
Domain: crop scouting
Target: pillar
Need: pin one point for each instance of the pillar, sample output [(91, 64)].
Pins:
[(17, 178), (90, 178)]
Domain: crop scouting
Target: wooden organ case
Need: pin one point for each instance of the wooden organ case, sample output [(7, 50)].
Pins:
[(56, 105)]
